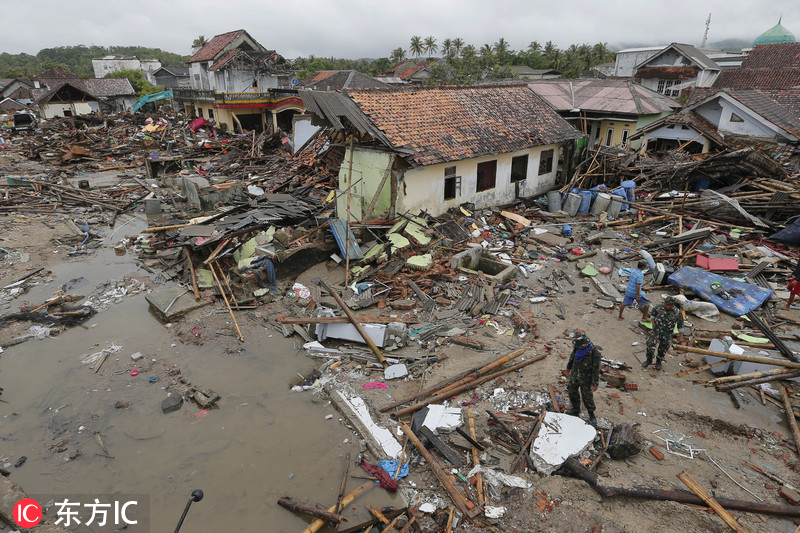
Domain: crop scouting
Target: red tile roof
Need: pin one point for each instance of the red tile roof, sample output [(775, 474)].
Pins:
[(441, 124), (409, 71), (768, 66), (214, 46)]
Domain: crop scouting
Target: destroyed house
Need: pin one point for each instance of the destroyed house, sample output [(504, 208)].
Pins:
[(434, 148), (240, 85), (676, 67), (711, 123), (108, 94), (609, 111), (66, 100)]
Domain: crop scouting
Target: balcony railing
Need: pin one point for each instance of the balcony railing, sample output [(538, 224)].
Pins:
[(194, 94), (272, 96)]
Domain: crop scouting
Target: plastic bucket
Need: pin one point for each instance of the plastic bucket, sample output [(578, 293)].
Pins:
[(553, 201), (614, 206), (152, 206), (571, 204), (586, 201), (600, 204), (630, 189)]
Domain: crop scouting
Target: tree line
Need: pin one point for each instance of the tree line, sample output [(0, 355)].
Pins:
[(77, 60), (460, 62)]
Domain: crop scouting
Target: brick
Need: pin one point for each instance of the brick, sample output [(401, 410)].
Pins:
[(657, 454), (791, 495)]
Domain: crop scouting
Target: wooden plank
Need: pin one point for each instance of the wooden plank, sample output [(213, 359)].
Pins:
[(708, 499)]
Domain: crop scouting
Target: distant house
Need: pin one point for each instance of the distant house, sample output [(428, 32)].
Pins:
[(528, 73), (727, 115), (336, 80), (103, 66), (627, 60), (676, 67), (93, 94), (171, 77), (767, 66), (9, 105), (434, 148), (609, 111), (18, 89), (240, 84), (410, 71)]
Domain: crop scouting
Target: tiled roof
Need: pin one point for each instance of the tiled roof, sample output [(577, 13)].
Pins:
[(441, 124), (8, 104), (56, 73), (214, 46), (740, 78), (224, 59), (336, 80), (175, 71), (410, 70), (774, 56), (603, 95), (41, 95), (770, 109), (101, 87)]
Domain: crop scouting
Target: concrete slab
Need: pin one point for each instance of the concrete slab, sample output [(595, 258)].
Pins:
[(172, 302), (560, 437), (380, 441)]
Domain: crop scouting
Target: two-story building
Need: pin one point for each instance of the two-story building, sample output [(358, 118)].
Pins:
[(240, 85)]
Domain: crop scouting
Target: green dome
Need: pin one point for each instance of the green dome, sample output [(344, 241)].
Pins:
[(776, 34)]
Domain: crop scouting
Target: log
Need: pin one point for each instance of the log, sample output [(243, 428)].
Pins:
[(227, 303), (353, 320), (734, 357), (475, 456), (191, 270), (318, 523), (756, 381), (792, 422), (293, 505), (515, 464), (466, 507), (574, 468), (467, 386), (711, 502), (344, 483), (477, 371)]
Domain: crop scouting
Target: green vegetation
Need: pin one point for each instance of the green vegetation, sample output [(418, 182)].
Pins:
[(77, 59), (138, 81), (464, 63)]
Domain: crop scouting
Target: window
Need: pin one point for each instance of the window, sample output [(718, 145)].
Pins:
[(210, 114), (546, 162), (519, 168), (452, 183), (736, 118), (487, 173), (665, 87), (624, 138), (609, 136)]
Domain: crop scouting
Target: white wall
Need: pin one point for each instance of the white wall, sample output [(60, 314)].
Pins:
[(626, 61), (104, 67), (303, 130), (424, 188), (749, 127), (57, 109)]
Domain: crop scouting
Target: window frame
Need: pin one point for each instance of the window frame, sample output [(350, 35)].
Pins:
[(451, 181), (524, 174), (481, 184), (546, 159)]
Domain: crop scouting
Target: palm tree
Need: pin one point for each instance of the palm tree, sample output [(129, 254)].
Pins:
[(398, 54), (458, 45), (447, 48), (430, 46), (501, 48), (468, 52), (534, 47), (415, 46), (200, 42), (551, 53)]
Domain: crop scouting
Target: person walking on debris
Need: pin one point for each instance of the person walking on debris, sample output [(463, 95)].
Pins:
[(665, 316), (634, 292), (269, 272), (584, 375), (794, 285)]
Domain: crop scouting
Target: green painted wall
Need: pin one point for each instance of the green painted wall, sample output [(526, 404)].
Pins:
[(369, 167)]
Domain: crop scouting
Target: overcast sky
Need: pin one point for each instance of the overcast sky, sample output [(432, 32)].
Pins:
[(360, 28)]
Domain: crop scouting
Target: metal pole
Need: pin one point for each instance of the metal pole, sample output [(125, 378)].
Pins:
[(347, 240), (197, 495)]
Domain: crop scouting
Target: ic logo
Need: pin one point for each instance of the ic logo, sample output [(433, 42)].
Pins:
[(27, 512)]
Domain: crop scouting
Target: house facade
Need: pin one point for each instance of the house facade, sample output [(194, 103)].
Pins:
[(103, 66), (608, 111), (240, 85), (675, 68), (82, 96), (171, 77), (434, 148)]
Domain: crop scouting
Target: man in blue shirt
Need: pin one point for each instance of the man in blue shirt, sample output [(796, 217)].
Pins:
[(634, 292)]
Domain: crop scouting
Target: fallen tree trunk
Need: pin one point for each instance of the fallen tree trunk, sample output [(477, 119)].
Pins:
[(573, 468), (293, 505), (734, 357), (757, 381)]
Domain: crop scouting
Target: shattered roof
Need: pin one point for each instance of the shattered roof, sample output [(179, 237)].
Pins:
[(214, 46), (685, 118), (441, 124), (101, 87), (603, 95), (43, 95), (686, 50), (335, 80)]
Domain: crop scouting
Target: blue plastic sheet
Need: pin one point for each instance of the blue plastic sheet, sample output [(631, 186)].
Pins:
[(391, 466), (743, 297)]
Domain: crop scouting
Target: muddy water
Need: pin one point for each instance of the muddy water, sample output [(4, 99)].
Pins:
[(263, 442)]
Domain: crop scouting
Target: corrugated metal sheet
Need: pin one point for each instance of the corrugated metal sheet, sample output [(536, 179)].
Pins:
[(340, 230)]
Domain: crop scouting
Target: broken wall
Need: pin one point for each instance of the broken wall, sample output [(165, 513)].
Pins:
[(369, 167)]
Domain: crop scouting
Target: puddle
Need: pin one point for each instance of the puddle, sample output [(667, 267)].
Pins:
[(263, 442)]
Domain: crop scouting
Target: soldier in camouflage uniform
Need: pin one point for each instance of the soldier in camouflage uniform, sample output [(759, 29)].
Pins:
[(584, 375), (665, 316)]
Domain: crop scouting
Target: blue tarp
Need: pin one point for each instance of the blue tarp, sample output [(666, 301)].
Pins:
[(340, 228), (744, 297)]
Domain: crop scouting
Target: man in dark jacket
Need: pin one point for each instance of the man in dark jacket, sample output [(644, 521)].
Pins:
[(584, 375)]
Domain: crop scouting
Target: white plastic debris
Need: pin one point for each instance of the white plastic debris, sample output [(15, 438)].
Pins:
[(427, 508), (442, 419), (395, 371), (136, 356), (494, 512)]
